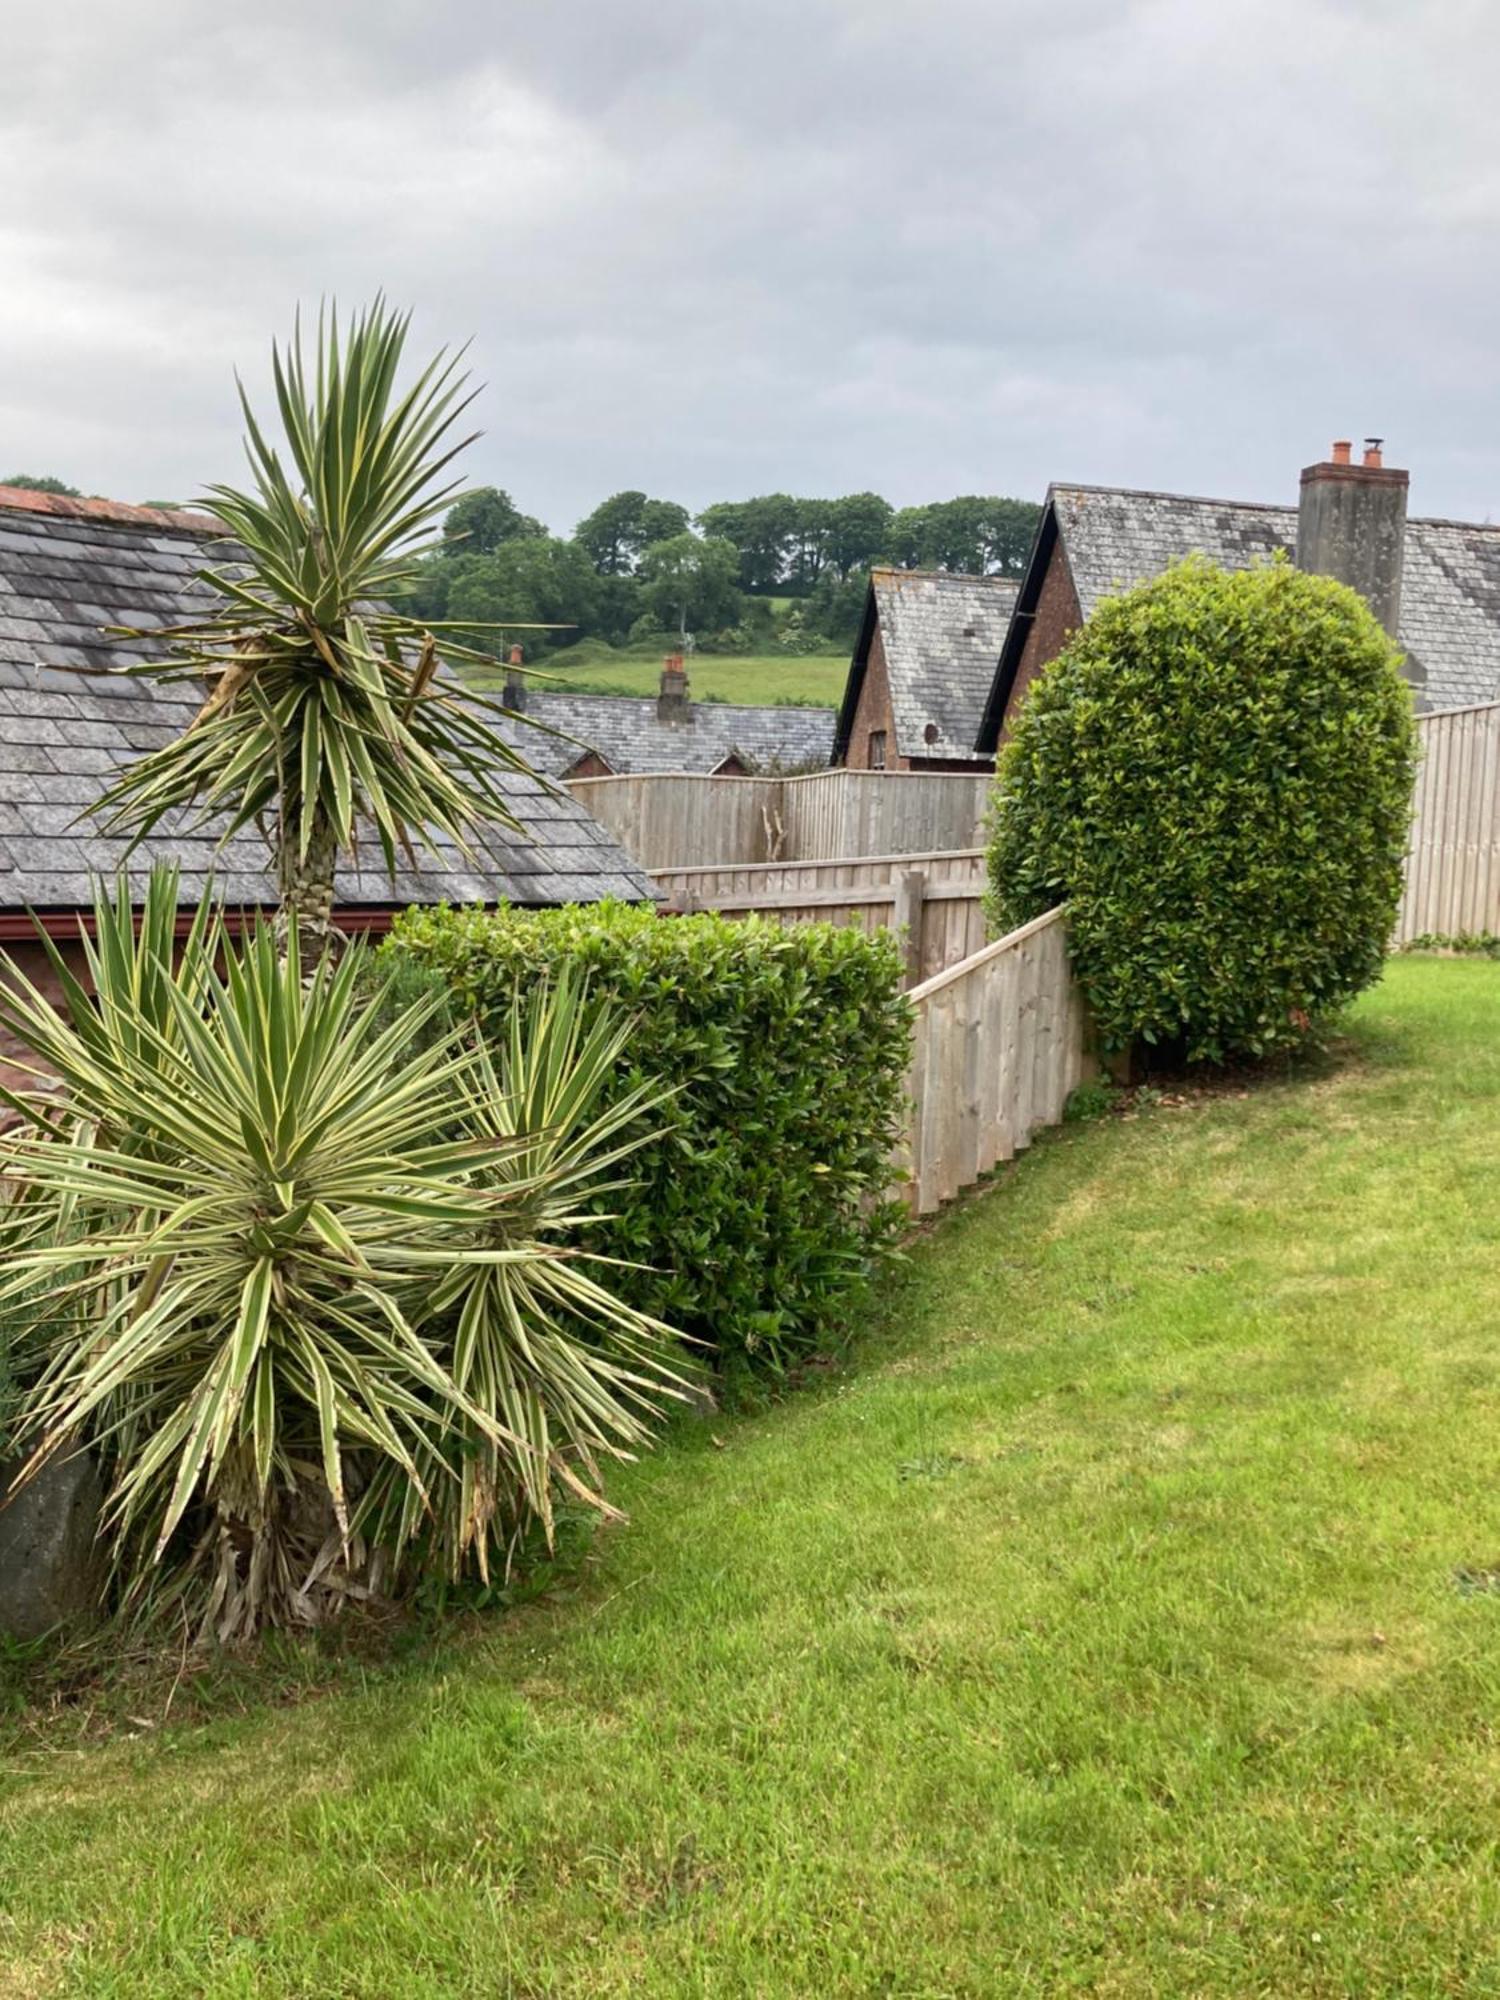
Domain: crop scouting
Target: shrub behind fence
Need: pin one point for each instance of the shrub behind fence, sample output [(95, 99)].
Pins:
[(762, 1209)]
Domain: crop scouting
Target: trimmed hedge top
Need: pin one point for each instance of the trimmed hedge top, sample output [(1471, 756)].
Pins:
[(1215, 775), (761, 1210)]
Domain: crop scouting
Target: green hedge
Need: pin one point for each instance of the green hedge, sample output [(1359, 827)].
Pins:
[(1215, 775), (763, 1210)]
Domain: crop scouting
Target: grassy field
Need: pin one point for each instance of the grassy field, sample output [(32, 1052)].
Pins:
[(759, 678), (1125, 1620)]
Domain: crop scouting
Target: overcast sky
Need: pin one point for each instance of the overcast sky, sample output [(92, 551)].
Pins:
[(714, 248)]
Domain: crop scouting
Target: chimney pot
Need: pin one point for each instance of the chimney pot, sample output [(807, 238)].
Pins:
[(1372, 451), (672, 701), (1341, 450), (517, 656)]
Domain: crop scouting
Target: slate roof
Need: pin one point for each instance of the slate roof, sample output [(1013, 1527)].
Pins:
[(69, 568), (941, 633), (629, 735), (1450, 590)]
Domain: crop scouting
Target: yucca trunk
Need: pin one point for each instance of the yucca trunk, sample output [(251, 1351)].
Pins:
[(305, 881)]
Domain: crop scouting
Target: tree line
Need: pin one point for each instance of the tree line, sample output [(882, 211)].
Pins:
[(642, 570), (639, 569)]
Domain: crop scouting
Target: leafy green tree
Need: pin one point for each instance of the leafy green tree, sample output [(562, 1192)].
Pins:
[(28, 483), (1007, 529), (622, 528), (484, 520), (534, 580), (837, 604), (859, 527), (661, 521), (761, 531), (690, 583), (812, 538), (327, 708), (1215, 776), (975, 534)]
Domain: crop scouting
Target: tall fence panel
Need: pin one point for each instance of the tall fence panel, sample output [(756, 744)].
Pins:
[(676, 820), (935, 900), (837, 813), (1453, 859), (998, 1043)]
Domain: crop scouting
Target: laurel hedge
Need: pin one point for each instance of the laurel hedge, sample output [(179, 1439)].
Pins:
[(762, 1212), (1215, 775)]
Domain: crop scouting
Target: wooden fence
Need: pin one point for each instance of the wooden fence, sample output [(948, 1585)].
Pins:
[(933, 899), (675, 820), (998, 1043), (1453, 861)]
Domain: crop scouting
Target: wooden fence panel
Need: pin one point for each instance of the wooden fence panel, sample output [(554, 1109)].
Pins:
[(998, 1043), (937, 899), (676, 820), (1453, 858)]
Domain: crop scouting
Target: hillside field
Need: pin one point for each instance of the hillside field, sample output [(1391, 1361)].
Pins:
[(817, 678)]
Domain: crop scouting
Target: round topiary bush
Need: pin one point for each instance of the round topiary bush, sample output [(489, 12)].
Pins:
[(1215, 775)]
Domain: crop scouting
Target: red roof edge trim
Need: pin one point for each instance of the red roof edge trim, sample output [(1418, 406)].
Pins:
[(180, 520)]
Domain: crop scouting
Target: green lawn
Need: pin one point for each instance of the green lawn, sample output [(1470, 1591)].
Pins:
[(816, 677), (1120, 1623)]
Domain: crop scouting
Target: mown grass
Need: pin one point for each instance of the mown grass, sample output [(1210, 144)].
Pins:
[(1119, 1623), (816, 678)]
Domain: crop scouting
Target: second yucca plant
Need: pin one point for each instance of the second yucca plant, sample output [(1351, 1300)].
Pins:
[(313, 1281)]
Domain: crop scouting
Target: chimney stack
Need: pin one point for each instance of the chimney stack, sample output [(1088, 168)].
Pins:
[(1351, 523), (672, 702), (514, 693)]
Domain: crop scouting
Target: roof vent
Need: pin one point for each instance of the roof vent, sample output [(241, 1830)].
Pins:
[(969, 632), (931, 733)]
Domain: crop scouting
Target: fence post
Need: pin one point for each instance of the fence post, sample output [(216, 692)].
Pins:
[(906, 919)]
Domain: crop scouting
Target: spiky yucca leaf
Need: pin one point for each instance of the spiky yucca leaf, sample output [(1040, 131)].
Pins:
[(540, 1343), (255, 1233), (326, 709)]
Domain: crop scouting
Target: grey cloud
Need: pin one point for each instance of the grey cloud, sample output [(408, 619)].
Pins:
[(818, 245)]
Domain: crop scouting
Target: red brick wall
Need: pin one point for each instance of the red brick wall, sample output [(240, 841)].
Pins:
[(1057, 615), (873, 712)]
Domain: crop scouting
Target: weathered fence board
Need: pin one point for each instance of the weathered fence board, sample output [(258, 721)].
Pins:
[(679, 820), (1453, 859), (998, 1043), (934, 899)]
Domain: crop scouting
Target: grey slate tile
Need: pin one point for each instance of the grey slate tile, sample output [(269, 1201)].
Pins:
[(1450, 595), (941, 634), (66, 723)]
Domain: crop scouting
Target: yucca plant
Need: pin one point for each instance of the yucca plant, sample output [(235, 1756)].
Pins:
[(326, 709), (308, 1278)]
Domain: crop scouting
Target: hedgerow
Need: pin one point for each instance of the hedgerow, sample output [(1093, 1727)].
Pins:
[(762, 1210), (1215, 775)]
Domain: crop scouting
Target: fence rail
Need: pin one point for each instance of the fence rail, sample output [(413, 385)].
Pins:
[(1453, 859), (677, 820), (998, 1043), (933, 899)]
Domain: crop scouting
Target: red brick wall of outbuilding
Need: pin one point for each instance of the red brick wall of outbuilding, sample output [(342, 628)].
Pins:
[(873, 711), (1058, 615)]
